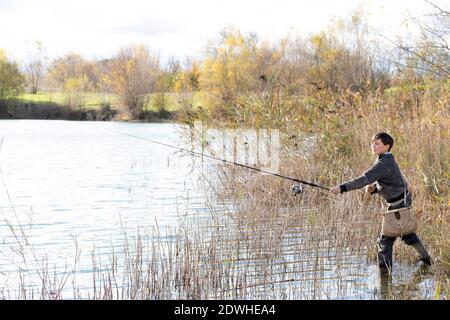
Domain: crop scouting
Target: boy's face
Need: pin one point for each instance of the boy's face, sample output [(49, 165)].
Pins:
[(378, 147)]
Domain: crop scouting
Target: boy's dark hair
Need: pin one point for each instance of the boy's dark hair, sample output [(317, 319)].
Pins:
[(385, 138)]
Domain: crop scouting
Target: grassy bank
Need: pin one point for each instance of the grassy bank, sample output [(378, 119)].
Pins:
[(90, 100), (95, 106), (89, 106)]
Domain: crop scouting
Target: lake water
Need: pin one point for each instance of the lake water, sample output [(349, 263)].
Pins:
[(85, 188), (86, 181)]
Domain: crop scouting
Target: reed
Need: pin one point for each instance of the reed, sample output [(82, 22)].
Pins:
[(261, 242), (343, 126), (259, 253)]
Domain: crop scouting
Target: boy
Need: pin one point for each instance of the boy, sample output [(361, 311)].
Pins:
[(385, 178)]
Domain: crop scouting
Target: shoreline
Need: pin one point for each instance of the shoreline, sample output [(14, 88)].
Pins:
[(15, 110)]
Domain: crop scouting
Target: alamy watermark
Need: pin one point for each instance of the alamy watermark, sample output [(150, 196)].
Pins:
[(251, 147)]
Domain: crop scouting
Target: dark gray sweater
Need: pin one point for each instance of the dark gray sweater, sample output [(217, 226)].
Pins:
[(386, 177)]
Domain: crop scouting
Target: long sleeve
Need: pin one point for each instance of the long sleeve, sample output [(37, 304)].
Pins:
[(376, 172)]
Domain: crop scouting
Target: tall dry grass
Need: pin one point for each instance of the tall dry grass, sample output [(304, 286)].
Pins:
[(343, 125), (264, 243)]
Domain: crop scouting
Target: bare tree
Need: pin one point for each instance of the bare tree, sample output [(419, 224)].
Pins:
[(35, 67), (429, 53), (133, 77)]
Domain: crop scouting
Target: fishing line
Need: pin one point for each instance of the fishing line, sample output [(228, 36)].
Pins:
[(296, 189)]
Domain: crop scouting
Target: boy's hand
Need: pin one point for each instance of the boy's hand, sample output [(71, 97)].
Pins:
[(370, 188), (335, 190)]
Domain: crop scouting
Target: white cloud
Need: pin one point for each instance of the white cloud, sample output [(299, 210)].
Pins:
[(97, 28)]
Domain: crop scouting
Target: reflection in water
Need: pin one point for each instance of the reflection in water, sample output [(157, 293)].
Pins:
[(385, 283)]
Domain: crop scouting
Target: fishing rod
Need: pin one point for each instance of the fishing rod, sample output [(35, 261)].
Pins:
[(296, 189)]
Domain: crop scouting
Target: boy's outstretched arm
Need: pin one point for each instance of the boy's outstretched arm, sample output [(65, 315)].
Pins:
[(376, 172)]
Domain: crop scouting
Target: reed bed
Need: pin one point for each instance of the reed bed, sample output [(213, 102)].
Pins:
[(263, 247), (258, 241), (342, 126)]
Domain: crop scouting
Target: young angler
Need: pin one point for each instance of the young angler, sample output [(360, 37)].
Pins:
[(385, 178)]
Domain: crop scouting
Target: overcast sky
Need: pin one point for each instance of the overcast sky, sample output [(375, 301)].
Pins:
[(97, 28)]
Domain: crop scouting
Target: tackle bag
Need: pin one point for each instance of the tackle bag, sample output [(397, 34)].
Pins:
[(398, 222)]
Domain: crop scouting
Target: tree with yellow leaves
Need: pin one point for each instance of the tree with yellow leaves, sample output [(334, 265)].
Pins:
[(74, 89), (69, 66), (229, 70), (164, 84), (11, 79), (186, 85)]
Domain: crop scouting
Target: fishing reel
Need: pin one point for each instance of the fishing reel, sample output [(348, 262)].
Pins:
[(297, 189)]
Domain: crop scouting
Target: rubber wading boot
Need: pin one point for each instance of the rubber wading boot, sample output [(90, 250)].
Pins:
[(423, 254)]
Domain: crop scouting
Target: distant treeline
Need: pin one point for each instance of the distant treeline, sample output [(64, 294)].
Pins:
[(237, 66)]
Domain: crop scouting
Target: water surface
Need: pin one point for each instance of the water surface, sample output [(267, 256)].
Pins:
[(86, 181)]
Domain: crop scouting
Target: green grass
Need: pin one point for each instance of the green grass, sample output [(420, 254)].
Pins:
[(95, 99), (173, 101), (42, 97)]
